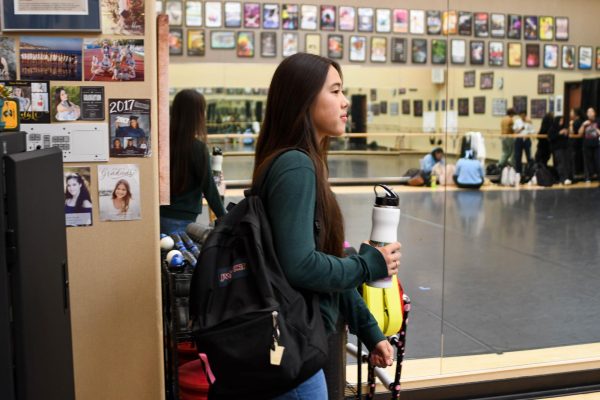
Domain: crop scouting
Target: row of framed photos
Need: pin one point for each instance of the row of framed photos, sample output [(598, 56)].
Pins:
[(499, 54), (499, 106), (251, 15)]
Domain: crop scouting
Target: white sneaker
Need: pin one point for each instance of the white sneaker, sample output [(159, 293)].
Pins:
[(588, 181), (567, 182)]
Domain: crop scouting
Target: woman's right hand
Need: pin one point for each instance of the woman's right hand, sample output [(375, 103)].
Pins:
[(391, 254)]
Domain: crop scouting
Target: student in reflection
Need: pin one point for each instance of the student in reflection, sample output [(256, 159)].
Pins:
[(78, 203), (469, 171)]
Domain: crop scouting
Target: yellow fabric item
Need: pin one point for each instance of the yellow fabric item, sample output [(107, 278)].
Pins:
[(386, 306)]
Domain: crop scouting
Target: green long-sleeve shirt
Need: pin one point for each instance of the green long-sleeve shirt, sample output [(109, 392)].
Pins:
[(289, 195), (188, 204)]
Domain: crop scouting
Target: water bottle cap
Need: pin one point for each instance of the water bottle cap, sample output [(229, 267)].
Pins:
[(217, 151), (389, 199)]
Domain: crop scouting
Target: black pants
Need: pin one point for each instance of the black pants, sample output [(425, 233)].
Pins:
[(520, 146), (467, 185), (561, 163), (543, 153), (576, 156), (591, 160)]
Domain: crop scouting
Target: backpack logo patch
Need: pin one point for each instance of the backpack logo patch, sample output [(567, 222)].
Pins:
[(238, 270)]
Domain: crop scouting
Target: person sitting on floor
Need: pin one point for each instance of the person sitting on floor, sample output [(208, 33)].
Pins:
[(431, 160), (469, 172)]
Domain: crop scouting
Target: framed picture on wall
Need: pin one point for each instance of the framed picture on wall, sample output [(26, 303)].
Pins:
[(463, 107), (347, 18), (405, 107), (498, 25), (546, 28), (251, 15), (394, 108), (449, 23), (551, 56), (418, 108), (328, 18), (459, 51), (515, 54), (335, 46), (270, 16), (419, 51), (539, 108), (358, 48), (477, 52), (222, 40), (481, 25), (378, 49), (309, 17), (383, 18), (569, 58), (496, 56), (434, 22), (233, 14), (289, 17), (82, 16), (530, 27), (398, 50), (486, 81), (546, 84), (159, 7), (532, 55), (213, 13), (499, 107), (400, 20), (469, 79), (515, 26), (479, 105), (175, 12), (312, 44), (193, 13), (585, 57), (417, 22), (365, 19), (268, 44), (562, 28), (289, 42), (465, 23), (520, 104), (245, 44), (196, 42), (175, 42), (439, 49), (598, 58)]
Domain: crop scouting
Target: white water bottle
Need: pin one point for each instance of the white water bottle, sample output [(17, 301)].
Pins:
[(385, 217)]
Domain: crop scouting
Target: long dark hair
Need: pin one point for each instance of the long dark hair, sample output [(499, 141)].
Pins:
[(547, 122), (84, 193), (288, 123), (188, 123), (57, 96), (127, 196)]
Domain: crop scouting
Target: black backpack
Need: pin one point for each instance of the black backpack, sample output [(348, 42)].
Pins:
[(243, 308), (544, 176)]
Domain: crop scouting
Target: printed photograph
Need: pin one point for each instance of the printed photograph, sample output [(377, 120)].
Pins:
[(439, 50), (531, 27), (419, 51), (486, 81), (482, 25), (312, 43), (116, 60), (597, 58), (365, 19), (562, 28), (290, 43), (271, 16), (465, 23), (193, 13), (8, 58), (123, 17), (399, 50), (328, 18), (498, 25), (309, 17), (417, 22), (383, 16), (268, 44), (520, 103), (78, 202), (515, 54), (477, 52), (358, 48), (129, 127), (335, 46), (222, 40), (515, 26), (551, 56), (289, 17), (459, 51), (469, 79), (406, 107), (66, 103), (547, 28), (347, 18), (175, 42), (585, 57), (434, 22), (496, 57), (400, 21), (418, 108), (213, 13), (463, 107), (449, 23), (174, 10), (378, 49), (251, 15), (539, 108), (119, 192), (50, 58), (546, 84), (479, 105), (33, 98), (532, 55), (233, 14), (568, 57), (196, 42), (245, 44)]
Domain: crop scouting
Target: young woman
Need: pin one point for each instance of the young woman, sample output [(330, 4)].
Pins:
[(543, 152), (65, 110), (191, 175), (77, 201), (591, 147), (121, 197), (469, 172), (559, 142), (305, 107)]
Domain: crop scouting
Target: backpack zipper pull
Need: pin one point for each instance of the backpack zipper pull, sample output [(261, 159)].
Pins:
[(276, 352)]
